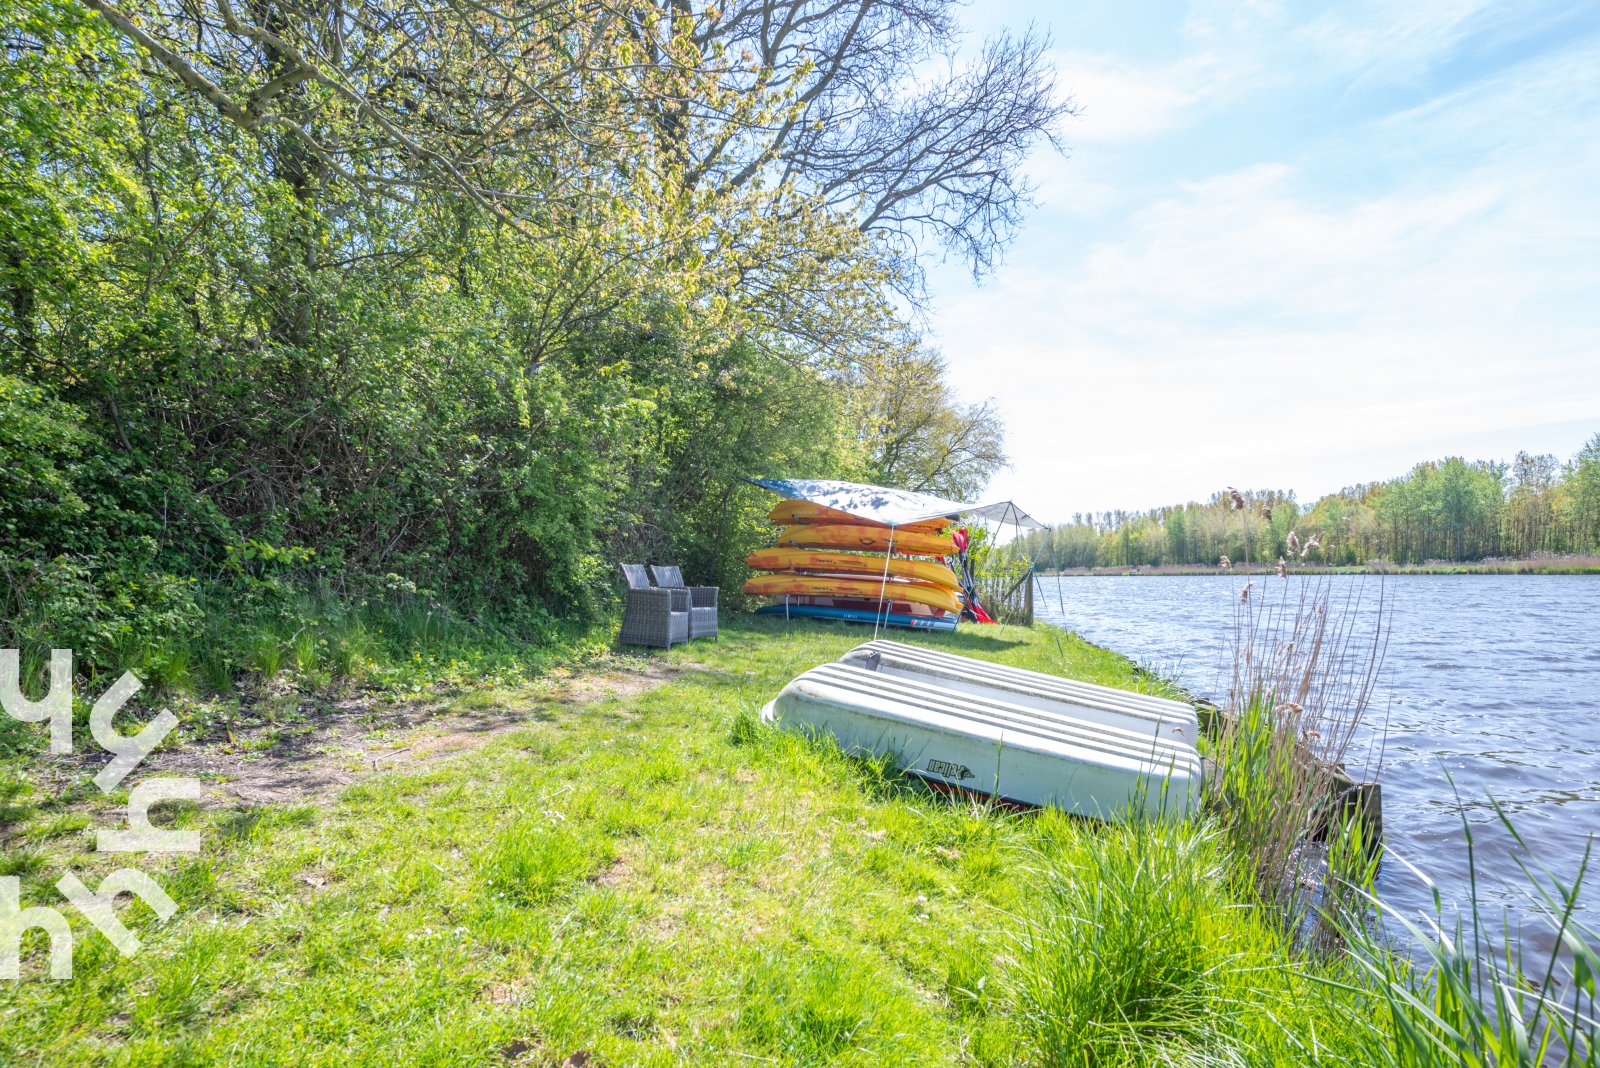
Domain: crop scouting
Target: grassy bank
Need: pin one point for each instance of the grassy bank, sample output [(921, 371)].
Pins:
[(654, 877)]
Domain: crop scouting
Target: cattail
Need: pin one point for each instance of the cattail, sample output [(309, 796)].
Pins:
[(1293, 541), (1235, 499), (1244, 594), (1283, 568), (1267, 512), (1311, 543), (1225, 563)]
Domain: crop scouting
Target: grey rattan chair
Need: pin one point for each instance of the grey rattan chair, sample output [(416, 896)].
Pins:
[(702, 600), (652, 616)]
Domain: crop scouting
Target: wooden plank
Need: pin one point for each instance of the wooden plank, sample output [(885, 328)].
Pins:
[(1345, 795)]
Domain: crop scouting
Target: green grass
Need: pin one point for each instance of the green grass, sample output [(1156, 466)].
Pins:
[(661, 879)]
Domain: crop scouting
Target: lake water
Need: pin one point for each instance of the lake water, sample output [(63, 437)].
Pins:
[(1492, 682)]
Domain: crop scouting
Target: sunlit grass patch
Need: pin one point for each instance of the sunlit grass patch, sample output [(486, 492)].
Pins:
[(531, 861), (659, 877), (1122, 955), (811, 1005)]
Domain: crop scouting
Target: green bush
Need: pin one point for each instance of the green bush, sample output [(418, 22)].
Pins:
[(111, 618)]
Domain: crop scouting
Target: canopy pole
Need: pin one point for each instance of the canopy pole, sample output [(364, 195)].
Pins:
[(883, 583), (1016, 523)]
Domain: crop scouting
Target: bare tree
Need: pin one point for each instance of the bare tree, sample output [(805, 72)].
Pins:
[(887, 121), (799, 156)]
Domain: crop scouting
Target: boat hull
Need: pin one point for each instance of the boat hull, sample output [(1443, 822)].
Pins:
[(859, 615), (793, 584), (844, 563), (788, 512), (1144, 715), (1009, 750), (869, 539)]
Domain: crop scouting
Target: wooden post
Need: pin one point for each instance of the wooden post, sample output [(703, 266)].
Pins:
[(1345, 794)]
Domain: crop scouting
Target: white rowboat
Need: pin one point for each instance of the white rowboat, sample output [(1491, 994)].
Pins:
[(992, 744), (1141, 714)]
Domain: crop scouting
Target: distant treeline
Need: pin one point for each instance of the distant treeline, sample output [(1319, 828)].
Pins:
[(1447, 510)]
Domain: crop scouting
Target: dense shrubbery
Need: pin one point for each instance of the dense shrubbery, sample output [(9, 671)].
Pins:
[(353, 316)]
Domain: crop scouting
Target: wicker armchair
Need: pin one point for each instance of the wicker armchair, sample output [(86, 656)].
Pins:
[(652, 616), (702, 600)]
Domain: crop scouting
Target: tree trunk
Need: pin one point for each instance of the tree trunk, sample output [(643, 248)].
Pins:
[(24, 304)]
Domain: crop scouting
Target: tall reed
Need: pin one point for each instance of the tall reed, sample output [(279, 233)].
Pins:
[(1303, 671), (1477, 1004), (1303, 668)]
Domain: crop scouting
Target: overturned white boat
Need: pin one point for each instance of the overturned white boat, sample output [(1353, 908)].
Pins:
[(1141, 714), (1015, 750)]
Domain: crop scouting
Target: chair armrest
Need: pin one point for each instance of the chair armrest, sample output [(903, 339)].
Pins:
[(661, 600), (653, 598), (669, 599)]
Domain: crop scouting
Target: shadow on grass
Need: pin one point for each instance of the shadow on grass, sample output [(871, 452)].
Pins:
[(746, 626), (966, 640), (893, 777)]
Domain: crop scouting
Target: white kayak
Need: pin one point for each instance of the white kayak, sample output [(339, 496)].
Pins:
[(1012, 750), (1142, 714)]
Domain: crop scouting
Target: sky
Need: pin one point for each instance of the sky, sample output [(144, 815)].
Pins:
[(1292, 247)]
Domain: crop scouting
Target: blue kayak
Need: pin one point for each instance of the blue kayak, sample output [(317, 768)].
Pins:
[(858, 615)]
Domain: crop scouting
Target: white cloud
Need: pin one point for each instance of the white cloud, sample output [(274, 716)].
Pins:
[(1395, 41), (1119, 101), (1414, 286), (1249, 250)]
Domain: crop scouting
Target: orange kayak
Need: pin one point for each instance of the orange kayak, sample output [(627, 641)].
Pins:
[(788, 512), (840, 563), (870, 539), (863, 588)]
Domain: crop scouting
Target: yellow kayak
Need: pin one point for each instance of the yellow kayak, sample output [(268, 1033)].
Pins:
[(864, 589), (842, 563), (789, 512), (869, 539)]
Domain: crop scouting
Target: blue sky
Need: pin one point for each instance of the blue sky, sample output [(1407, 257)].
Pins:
[(1293, 246)]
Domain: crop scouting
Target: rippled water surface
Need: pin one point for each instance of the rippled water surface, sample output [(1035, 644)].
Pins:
[(1490, 681)]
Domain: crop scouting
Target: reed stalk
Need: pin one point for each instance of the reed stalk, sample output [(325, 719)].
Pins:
[(1475, 1004), (1303, 667)]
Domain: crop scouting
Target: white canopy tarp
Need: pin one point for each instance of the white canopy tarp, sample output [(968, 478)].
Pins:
[(894, 507)]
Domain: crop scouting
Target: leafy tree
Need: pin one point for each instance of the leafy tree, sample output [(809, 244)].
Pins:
[(1530, 504), (1177, 530), (305, 300), (918, 434), (1449, 509), (1583, 478)]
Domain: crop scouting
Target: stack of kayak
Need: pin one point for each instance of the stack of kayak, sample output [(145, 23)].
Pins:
[(829, 564), (1018, 735)]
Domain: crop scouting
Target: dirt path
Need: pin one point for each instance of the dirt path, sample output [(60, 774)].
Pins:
[(310, 761)]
